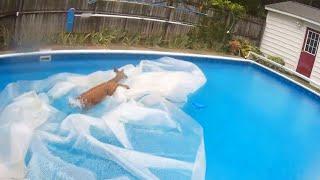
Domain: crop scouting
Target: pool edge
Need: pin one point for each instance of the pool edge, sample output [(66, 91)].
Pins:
[(164, 53)]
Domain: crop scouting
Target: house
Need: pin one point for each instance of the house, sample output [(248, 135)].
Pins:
[(292, 32)]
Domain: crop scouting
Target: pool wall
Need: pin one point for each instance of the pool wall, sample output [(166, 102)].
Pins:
[(31, 56)]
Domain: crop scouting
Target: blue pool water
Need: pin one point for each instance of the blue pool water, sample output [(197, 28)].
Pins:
[(257, 125)]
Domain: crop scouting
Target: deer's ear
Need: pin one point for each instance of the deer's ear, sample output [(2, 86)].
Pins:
[(115, 70)]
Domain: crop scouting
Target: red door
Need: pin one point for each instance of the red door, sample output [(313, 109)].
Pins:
[(309, 52)]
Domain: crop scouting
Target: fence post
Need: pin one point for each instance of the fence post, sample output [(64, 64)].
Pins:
[(97, 19), (17, 26), (261, 33), (167, 24), (227, 24)]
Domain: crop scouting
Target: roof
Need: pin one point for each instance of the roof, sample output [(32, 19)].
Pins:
[(297, 10)]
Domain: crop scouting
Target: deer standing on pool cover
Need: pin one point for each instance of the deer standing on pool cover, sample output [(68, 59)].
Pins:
[(96, 94)]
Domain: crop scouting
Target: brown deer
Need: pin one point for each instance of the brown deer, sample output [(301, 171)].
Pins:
[(96, 94)]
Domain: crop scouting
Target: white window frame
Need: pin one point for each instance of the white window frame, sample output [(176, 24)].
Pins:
[(306, 42)]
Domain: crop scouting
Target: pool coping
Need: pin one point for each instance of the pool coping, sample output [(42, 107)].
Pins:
[(150, 52)]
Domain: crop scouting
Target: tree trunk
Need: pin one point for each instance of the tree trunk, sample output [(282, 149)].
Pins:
[(310, 2)]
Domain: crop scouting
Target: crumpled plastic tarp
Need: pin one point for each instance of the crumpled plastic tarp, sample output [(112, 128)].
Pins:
[(140, 133)]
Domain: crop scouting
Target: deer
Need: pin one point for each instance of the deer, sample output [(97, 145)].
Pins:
[(98, 93)]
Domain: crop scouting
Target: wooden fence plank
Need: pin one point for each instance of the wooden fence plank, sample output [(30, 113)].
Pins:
[(8, 7), (249, 27)]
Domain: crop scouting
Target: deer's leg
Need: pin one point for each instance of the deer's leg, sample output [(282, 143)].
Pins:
[(125, 86)]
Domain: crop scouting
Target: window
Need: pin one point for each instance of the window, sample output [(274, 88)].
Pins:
[(312, 42)]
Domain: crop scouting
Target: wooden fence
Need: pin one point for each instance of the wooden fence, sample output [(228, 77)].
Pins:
[(249, 27), (29, 21)]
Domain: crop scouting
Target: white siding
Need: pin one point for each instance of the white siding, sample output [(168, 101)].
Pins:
[(315, 75), (284, 38)]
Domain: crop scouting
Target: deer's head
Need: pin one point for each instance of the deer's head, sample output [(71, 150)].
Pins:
[(120, 74)]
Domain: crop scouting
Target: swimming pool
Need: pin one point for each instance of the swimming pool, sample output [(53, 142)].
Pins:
[(257, 125)]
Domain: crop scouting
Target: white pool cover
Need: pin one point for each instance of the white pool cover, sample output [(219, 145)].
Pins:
[(139, 133)]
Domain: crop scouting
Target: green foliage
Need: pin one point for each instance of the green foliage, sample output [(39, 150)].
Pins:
[(233, 47), (277, 59), (256, 7), (5, 37), (268, 64), (246, 46), (155, 40), (84, 38), (180, 42), (227, 5), (253, 7), (104, 37), (211, 34), (131, 39), (65, 38), (214, 30), (197, 39), (119, 35)]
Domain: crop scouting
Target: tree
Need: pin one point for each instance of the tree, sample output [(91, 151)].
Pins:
[(256, 7)]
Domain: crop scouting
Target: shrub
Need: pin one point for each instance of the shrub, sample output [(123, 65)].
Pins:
[(4, 37), (211, 33), (235, 8), (277, 59), (84, 38), (234, 47), (119, 35), (154, 40), (180, 42), (131, 39), (269, 64), (246, 47), (104, 37)]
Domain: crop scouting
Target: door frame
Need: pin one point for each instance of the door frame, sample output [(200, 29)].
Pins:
[(304, 46)]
